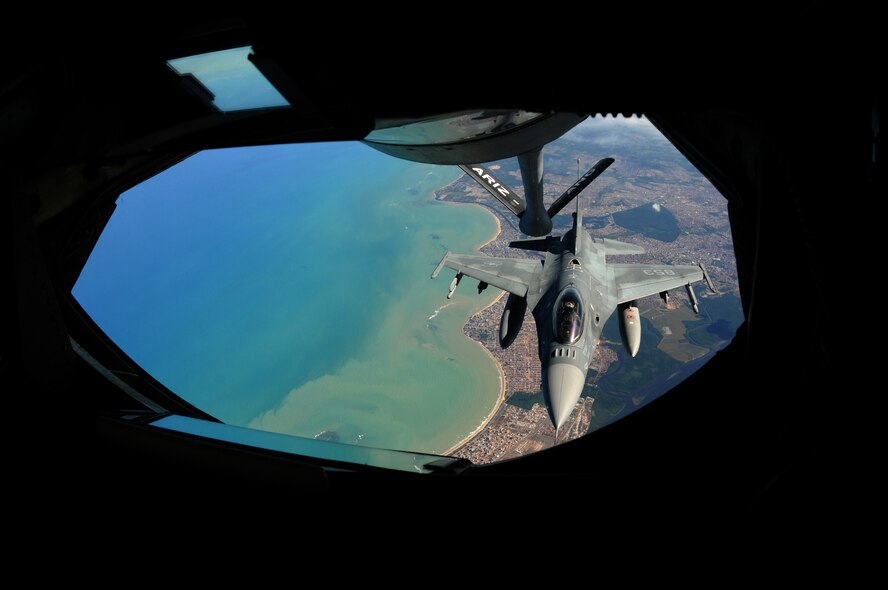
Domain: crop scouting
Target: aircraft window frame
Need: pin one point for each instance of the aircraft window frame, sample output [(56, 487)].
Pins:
[(566, 352), (326, 451), (457, 127)]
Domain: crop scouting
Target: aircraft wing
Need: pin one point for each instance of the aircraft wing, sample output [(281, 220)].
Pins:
[(509, 274), (634, 281)]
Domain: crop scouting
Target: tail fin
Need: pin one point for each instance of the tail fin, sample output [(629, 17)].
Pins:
[(574, 193), (578, 226)]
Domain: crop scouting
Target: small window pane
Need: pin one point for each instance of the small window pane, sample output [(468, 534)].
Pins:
[(235, 82)]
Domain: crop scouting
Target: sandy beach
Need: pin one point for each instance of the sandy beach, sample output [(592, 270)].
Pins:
[(499, 367)]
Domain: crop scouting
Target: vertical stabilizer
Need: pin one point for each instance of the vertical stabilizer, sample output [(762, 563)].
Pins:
[(578, 226)]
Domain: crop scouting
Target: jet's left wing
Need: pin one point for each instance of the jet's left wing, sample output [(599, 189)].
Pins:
[(634, 281), (509, 274)]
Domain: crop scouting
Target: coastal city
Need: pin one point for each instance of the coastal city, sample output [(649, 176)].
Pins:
[(700, 234)]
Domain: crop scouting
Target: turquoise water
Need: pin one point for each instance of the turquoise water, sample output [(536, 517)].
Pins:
[(287, 288)]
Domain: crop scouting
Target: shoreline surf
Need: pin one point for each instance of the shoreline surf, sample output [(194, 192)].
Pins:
[(499, 367)]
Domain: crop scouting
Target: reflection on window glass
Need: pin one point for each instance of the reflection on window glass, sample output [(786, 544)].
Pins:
[(342, 453), (454, 128), (568, 316), (286, 289), (233, 80)]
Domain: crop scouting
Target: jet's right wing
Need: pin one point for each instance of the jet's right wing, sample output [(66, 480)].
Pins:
[(514, 275), (634, 281)]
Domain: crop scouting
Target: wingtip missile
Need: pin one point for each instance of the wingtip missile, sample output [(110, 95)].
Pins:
[(440, 265), (707, 279)]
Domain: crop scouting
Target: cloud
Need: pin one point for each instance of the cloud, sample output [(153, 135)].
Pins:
[(656, 207), (641, 121), (614, 131)]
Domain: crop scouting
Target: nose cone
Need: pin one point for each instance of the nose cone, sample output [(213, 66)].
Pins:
[(564, 384)]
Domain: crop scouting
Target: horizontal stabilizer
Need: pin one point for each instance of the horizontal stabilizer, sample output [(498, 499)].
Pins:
[(616, 248), (577, 187), (483, 176), (538, 244)]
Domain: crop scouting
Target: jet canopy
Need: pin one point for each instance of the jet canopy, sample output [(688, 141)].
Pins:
[(568, 316)]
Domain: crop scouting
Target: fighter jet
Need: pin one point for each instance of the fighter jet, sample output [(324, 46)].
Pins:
[(572, 291)]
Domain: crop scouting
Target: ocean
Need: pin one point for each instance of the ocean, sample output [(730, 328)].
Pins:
[(286, 288)]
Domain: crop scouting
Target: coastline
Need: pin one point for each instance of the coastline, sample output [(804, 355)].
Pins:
[(502, 394), (499, 224), (499, 367), (499, 230)]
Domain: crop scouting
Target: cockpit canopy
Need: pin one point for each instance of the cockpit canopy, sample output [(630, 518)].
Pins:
[(568, 316)]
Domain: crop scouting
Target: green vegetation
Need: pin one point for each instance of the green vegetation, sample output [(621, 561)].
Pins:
[(678, 321), (526, 399), (605, 409), (727, 308), (710, 334), (632, 374), (682, 350), (703, 335)]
